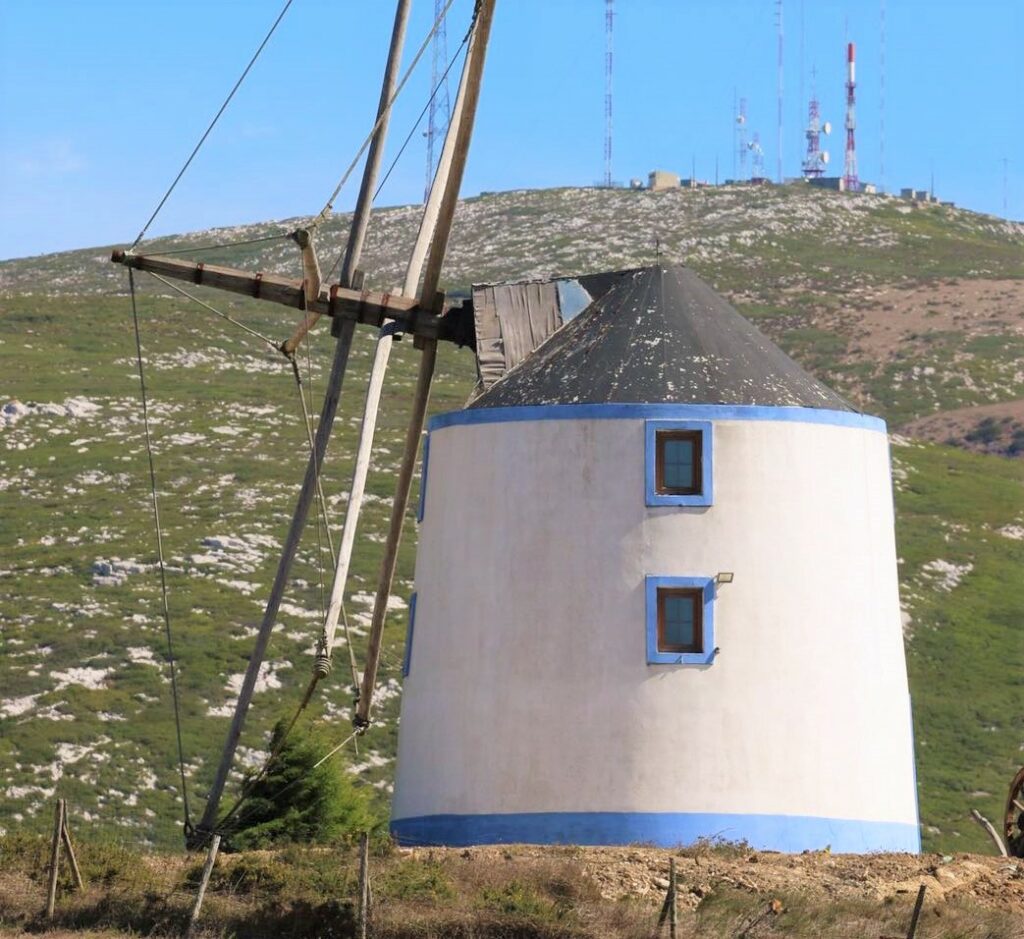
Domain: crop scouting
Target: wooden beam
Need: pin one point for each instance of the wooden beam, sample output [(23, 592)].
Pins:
[(362, 306), (448, 182)]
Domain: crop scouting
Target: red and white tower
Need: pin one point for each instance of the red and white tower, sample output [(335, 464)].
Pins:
[(850, 179)]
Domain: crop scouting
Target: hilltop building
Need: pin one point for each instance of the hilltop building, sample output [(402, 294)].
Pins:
[(658, 180), (656, 590)]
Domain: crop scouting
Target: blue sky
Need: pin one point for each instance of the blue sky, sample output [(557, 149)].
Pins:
[(101, 101)]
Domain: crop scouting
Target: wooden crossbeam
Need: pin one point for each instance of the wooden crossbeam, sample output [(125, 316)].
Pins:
[(364, 306)]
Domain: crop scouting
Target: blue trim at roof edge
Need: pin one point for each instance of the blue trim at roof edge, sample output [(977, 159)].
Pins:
[(790, 833), (704, 412)]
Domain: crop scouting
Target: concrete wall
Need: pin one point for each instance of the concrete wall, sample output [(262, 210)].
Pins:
[(530, 712), (659, 180)]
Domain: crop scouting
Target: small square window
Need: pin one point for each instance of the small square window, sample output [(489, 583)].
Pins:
[(680, 620), (678, 458), (677, 469)]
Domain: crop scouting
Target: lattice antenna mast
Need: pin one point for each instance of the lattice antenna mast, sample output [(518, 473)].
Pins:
[(757, 156), (816, 159), (778, 22), (741, 137), (609, 22), (440, 110), (850, 178)]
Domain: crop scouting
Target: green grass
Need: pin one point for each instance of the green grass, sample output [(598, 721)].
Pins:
[(77, 489)]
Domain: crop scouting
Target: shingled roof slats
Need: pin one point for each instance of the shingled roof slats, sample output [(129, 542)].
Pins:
[(660, 335)]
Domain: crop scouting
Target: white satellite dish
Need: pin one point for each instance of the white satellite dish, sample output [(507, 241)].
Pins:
[(740, 119), (824, 156), (826, 128)]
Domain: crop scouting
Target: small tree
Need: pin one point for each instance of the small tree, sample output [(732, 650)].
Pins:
[(298, 801)]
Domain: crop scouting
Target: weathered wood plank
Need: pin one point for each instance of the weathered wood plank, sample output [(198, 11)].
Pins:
[(363, 306)]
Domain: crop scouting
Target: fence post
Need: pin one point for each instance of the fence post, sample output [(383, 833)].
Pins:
[(65, 833), (204, 882), (364, 885), (58, 827), (673, 908), (917, 913)]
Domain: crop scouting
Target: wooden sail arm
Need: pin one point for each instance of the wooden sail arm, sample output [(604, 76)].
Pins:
[(363, 306)]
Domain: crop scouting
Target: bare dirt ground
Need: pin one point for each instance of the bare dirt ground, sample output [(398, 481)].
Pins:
[(956, 424), (993, 882), (887, 319)]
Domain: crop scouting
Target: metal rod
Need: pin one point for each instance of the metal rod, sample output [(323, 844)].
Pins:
[(452, 176), (327, 413)]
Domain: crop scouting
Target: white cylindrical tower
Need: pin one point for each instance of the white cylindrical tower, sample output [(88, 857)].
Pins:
[(656, 598)]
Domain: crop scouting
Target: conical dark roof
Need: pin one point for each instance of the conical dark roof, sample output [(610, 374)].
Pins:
[(660, 335)]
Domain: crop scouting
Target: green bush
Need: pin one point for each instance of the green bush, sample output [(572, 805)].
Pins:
[(298, 801)]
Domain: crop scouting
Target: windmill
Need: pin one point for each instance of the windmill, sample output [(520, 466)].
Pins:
[(599, 579), (418, 311)]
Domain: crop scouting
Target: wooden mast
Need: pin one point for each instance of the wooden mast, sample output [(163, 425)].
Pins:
[(475, 56), (382, 354), (327, 413)]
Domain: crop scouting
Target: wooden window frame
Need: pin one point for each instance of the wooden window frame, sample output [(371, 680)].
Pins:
[(662, 437), (696, 595), (657, 431), (657, 587)]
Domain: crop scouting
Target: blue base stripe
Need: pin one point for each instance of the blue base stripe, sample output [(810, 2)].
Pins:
[(684, 412), (790, 833)]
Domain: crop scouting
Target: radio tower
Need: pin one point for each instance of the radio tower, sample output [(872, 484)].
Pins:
[(609, 19), (816, 159), (741, 137), (850, 179), (757, 154), (440, 100)]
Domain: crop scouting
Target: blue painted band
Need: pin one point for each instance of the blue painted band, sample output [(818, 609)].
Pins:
[(696, 412), (790, 833), (421, 504), (410, 631)]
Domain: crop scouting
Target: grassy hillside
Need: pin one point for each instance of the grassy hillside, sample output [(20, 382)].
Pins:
[(909, 310)]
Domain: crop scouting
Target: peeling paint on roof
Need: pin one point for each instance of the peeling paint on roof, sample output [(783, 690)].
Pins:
[(660, 335)]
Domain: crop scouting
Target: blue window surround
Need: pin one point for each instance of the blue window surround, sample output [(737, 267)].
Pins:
[(707, 656), (422, 504), (706, 495), (409, 630)]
